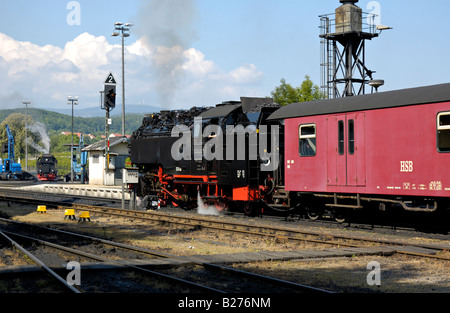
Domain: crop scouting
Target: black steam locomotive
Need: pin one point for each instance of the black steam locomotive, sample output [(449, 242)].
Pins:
[(228, 155), (47, 167)]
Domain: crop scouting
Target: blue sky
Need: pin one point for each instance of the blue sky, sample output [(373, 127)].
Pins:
[(226, 48)]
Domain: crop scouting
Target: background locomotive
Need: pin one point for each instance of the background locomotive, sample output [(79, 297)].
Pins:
[(384, 150), (47, 167)]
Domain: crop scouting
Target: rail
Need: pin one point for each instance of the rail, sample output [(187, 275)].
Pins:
[(41, 264), (259, 230), (220, 268)]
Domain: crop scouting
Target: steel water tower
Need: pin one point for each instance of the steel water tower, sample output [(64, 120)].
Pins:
[(343, 39)]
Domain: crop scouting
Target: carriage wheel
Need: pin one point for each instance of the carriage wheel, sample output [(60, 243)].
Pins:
[(340, 217), (314, 214)]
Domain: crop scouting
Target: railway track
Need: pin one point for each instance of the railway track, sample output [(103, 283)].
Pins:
[(215, 274), (320, 236), (63, 283), (264, 230), (25, 196), (216, 223)]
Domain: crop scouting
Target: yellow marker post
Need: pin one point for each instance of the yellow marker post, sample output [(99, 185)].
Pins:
[(70, 213), (42, 209), (84, 216)]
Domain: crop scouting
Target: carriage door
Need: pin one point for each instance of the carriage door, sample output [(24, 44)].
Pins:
[(346, 150)]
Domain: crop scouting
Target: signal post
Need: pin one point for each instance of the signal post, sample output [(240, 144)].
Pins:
[(108, 104)]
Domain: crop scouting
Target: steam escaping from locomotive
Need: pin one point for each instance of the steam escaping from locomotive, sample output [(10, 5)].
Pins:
[(45, 140), (168, 25), (205, 209)]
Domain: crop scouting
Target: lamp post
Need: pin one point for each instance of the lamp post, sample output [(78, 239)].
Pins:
[(26, 102), (125, 31), (73, 101)]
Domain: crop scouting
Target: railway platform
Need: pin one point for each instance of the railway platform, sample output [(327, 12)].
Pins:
[(96, 191)]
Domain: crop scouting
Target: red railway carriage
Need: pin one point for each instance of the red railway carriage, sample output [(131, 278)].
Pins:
[(390, 148)]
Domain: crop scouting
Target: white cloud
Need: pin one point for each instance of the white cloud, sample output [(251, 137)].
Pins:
[(246, 74), (22, 58), (87, 52), (197, 65), (168, 76)]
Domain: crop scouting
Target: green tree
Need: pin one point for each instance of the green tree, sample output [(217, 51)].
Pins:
[(60, 142), (308, 91), (16, 123), (286, 93)]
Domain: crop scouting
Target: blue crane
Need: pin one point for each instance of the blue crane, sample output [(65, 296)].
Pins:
[(79, 169), (9, 165)]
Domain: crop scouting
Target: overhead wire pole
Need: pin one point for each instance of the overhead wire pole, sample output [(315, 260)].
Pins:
[(125, 31), (26, 102), (73, 101)]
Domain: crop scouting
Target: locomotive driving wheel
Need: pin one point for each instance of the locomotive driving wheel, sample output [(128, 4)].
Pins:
[(248, 208), (221, 205)]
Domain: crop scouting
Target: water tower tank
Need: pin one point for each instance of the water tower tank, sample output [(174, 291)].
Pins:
[(348, 17), (344, 33)]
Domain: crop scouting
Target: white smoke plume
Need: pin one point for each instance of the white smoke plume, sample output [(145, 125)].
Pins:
[(39, 128), (168, 27)]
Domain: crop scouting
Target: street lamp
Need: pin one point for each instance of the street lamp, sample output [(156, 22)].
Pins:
[(73, 101), (26, 102), (125, 31)]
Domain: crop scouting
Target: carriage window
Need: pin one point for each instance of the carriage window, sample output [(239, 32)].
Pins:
[(443, 132), (307, 140), (341, 137), (351, 137)]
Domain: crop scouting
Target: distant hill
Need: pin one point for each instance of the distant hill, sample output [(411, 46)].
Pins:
[(59, 122), (97, 112)]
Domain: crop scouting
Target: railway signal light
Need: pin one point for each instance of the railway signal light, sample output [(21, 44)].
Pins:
[(110, 96)]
